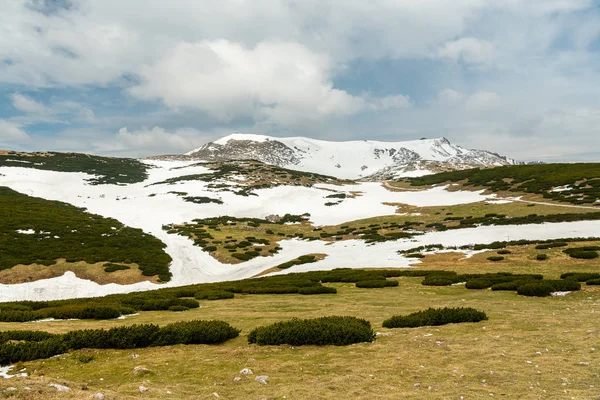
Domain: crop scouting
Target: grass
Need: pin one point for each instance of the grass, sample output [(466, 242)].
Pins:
[(108, 170), (35, 231), (93, 272), (522, 259), (581, 179), (416, 219), (498, 356)]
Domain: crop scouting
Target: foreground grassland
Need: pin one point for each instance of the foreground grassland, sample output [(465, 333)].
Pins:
[(530, 348), (44, 238)]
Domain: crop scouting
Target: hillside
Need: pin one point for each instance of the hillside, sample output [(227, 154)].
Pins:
[(237, 219), (364, 159)]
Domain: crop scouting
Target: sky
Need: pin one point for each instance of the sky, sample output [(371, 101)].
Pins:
[(146, 77)]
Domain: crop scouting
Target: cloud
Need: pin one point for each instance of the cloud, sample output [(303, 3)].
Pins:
[(11, 134), (469, 50), (279, 82), (145, 142), (27, 104)]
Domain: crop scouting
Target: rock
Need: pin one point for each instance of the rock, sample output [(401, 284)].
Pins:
[(273, 218), (98, 396), (237, 379), (60, 388), (216, 394), (246, 371), (135, 356), (251, 359), (141, 371), (10, 389), (143, 389), (262, 379)]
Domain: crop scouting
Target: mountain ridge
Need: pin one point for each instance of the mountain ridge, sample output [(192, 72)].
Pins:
[(357, 159)]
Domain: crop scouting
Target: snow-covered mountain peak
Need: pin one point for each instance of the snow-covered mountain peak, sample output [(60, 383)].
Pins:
[(349, 159)]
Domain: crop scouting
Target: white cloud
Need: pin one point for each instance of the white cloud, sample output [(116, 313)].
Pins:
[(469, 50), (153, 141), (482, 101), (275, 81), (11, 133), (27, 104), (449, 97)]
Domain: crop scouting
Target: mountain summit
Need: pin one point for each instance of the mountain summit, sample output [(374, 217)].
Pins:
[(357, 159)]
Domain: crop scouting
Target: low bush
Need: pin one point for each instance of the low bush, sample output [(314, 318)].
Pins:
[(512, 285), (563, 285), (338, 331), (504, 251), (495, 258), (376, 284), (537, 289), (112, 267), (435, 317), (583, 254), (34, 345), (580, 276), (593, 282), (414, 255), (317, 290), (541, 257), (214, 295), (478, 284)]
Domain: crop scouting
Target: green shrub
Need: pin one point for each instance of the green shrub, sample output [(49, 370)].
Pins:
[(495, 258), (414, 255), (338, 331), (435, 317), (537, 289), (35, 345), (504, 251), (580, 276), (583, 254), (478, 284), (112, 267), (541, 257), (563, 285), (376, 284), (317, 290), (593, 282), (214, 295), (512, 285)]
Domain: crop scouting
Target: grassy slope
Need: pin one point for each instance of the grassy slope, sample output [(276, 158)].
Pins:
[(583, 178), (109, 170), (63, 231), (496, 356)]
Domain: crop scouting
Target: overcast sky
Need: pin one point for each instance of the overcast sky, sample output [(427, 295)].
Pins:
[(142, 77)]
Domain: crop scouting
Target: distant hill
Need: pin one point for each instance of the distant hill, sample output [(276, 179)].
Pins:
[(361, 159)]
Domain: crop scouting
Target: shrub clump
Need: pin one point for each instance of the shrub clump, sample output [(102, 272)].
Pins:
[(495, 258), (214, 295), (338, 331), (317, 290), (34, 345), (538, 289), (376, 284), (435, 317), (541, 257), (478, 284)]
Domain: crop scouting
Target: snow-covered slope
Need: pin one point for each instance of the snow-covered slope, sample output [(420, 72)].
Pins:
[(351, 159)]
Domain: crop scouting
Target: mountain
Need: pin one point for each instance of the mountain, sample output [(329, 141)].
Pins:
[(360, 159)]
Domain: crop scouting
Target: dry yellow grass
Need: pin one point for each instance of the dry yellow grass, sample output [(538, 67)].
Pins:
[(95, 272), (530, 348)]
